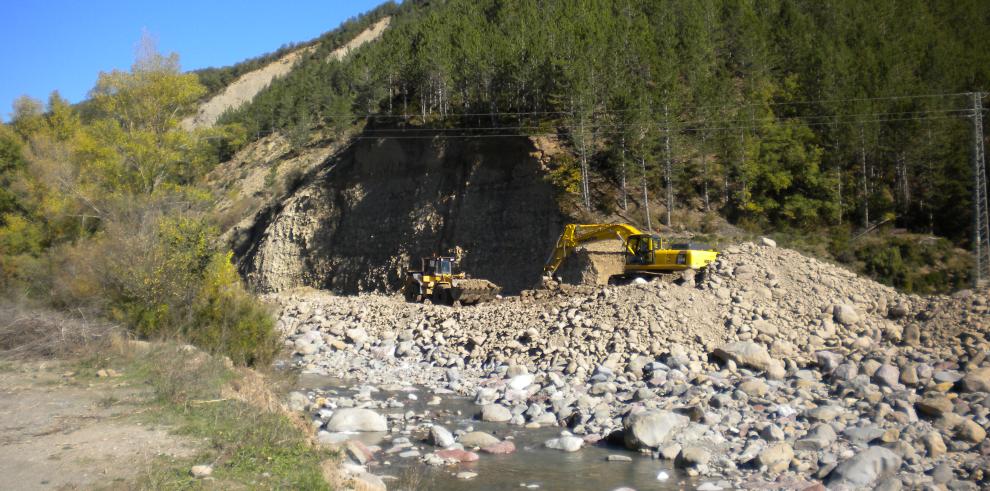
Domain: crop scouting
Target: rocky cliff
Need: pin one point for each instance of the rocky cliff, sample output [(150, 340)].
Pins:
[(360, 220)]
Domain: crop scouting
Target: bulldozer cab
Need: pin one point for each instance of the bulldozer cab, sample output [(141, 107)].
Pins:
[(438, 266), (639, 248)]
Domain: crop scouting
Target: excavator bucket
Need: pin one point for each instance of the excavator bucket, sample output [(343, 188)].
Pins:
[(470, 291)]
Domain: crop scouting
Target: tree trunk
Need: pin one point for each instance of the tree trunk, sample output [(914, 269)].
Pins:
[(646, 196), (668, 169), (584, 167), (866, 177), (625, 198), (704, 172)]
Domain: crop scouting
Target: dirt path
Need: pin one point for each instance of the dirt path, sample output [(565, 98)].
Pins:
[(60, 432)]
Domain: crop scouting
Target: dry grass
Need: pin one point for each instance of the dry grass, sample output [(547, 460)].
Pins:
[(31, 332)]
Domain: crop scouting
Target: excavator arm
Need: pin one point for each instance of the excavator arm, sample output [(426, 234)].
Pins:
[(576, 234)]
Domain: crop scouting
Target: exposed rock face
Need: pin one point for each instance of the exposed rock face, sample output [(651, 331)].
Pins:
[(382, 203)]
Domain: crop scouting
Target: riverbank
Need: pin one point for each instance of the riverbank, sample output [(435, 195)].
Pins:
[(774, 371)]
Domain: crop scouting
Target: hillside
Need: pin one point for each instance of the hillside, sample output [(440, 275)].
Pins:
[(773, 116), (264, 215)]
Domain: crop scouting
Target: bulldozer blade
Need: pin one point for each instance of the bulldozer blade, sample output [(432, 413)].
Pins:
[(474, 290)]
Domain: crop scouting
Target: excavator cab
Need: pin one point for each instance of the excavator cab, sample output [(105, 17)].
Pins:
[(639, 248)]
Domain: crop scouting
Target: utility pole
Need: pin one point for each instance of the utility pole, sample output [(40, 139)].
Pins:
[(981, 225), (668, 169)]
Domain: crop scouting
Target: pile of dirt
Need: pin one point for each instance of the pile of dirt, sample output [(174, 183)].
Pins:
[(593, 264), (792, 304)]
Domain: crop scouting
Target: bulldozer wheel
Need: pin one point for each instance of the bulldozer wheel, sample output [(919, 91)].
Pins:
[(441, 296)]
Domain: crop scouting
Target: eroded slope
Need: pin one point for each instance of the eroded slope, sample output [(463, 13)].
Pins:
[(356, 225)]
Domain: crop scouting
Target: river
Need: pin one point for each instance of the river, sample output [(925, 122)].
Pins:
[(531, 466)]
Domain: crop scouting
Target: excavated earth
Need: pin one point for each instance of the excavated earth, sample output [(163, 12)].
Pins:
[(367, 213), (773, 370)]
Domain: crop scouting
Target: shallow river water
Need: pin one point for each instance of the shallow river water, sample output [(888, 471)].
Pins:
[(531, 466)]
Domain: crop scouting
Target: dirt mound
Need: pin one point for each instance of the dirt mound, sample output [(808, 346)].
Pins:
[(593, 264), (792, 304)]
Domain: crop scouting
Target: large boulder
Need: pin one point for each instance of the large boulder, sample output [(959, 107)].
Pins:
[(748, 354), (776, 457), (356, 419), (652, 428), (441, 437), (976, 381), (845, 314), (496, 413), (864, 469), (477, 439)]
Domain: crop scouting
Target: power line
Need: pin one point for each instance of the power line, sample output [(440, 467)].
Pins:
[(688, 125), (398, 136), (628, 110)]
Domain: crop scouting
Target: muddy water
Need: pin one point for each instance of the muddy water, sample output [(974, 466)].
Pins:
[(531, 466)]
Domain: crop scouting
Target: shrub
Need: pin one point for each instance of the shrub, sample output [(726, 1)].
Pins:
[(226, 319), (163, 276)]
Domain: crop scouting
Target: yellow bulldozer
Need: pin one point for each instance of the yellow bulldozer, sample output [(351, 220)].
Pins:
[(645, 254), (436, 282)]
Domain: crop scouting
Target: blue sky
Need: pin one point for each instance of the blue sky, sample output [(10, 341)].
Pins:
[(59, 44)]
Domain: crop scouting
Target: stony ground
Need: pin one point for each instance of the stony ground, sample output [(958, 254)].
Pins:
[(772, 370), (58, 431)]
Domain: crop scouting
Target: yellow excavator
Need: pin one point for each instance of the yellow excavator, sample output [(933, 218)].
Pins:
[(645, 254)]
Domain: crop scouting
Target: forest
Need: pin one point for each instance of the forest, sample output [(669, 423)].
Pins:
[(778, 114)]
